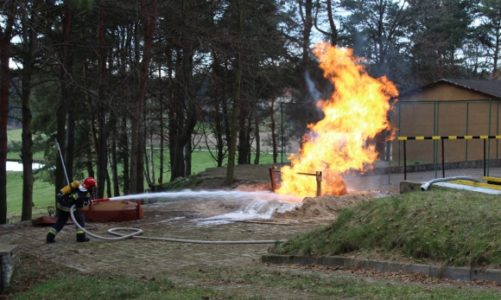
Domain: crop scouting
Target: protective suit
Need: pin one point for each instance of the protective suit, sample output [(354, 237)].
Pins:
[(75, 193)]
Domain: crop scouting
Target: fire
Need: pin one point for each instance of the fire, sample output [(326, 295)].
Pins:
[(355, 113)]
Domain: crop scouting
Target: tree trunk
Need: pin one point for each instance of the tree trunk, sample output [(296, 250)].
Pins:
[(182, 112), (27, 150), (257, 137), (235, 114), (149, 15), (187, 157), (273, 128), (62, 110), (244, 134), (161, 119), (497, 45), (102, 125), (177, 160), (5, 44), (152, 154), (114, 164), (108, 185), (307, 18), (124, 155), (219, 133), (331, 23), (90, 123), (219, 115), (28, 56), (88, 162)]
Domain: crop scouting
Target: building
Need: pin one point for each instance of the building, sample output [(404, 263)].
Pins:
[(449, 107)]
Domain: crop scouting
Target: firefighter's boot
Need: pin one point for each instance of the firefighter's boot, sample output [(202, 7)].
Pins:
[(81, 238), (51, 236)]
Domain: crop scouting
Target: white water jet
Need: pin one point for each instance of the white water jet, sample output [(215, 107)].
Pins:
[(212, 194), (253, 205)]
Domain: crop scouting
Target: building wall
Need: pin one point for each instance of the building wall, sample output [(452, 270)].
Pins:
[(445, 109)]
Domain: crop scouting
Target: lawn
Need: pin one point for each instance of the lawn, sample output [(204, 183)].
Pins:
[(43, 195)]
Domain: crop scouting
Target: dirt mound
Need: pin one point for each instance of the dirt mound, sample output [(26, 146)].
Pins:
[(325, 207)]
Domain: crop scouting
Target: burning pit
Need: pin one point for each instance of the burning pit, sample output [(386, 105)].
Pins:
[(343, 140)]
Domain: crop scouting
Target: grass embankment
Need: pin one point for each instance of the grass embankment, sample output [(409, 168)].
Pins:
[(449, 227)]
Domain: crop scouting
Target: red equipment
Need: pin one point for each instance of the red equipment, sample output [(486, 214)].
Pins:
[(89, 183)]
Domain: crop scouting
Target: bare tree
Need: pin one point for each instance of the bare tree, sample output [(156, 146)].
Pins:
[(330, 18)]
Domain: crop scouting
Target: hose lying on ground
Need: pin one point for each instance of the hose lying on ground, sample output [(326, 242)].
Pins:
[(425, 186), (119, 234)]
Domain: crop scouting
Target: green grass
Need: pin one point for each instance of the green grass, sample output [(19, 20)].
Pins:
[(333, 286), (43, 195), (449, 227), (237, 283), (14, 135), (110, 287), (14, 139)]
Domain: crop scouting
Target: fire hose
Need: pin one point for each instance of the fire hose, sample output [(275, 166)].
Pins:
[(426, 185), (120, 234)]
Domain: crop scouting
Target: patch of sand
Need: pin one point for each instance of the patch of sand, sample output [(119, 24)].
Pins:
[(325, 208)]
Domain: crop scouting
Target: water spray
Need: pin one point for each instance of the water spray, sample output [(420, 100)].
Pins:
[(60, 152), (209, 194), (122, 233)]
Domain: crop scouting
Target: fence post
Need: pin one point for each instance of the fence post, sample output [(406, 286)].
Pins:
[(405, 160), (272, 179), (485, 157), (318, 176), (489, 134), (467, 131), (443, 158)]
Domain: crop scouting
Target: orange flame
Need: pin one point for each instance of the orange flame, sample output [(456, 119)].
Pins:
[(355, 113)]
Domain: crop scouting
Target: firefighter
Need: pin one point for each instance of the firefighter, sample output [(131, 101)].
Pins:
[(75, 193)]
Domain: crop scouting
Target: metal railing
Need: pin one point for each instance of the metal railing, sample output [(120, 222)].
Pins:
[(443, 138)]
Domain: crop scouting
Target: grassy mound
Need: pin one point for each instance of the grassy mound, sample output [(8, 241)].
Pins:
[(451, 227)]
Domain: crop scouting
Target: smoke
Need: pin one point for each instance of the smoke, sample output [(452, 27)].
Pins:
[(312, 89)]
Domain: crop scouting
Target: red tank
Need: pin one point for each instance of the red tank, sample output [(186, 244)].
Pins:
[(103, 210)]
